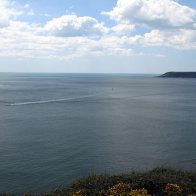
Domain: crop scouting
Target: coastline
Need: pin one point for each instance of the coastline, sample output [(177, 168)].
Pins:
[(158, 181)]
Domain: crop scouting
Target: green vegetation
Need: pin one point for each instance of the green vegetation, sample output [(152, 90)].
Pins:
[(159, 181)]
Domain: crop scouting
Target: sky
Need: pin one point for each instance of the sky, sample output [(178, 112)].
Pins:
[(99, 36)]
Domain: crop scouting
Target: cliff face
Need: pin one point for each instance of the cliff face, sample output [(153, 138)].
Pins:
[(178, 75)]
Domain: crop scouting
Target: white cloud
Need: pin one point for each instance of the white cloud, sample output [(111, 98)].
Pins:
[(160, 14), (24, 40), (122, 29), (70, 36), (170, 23), (179, 39), (47, 15), (72, 25), (27, 5), (7, 13), (28, 10)]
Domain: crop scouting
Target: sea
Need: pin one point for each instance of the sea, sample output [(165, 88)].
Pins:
[(56, 128)]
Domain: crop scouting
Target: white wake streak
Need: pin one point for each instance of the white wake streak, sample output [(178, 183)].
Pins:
[(51, 100)]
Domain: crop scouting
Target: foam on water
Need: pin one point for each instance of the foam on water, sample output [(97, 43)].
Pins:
[(51, 100)]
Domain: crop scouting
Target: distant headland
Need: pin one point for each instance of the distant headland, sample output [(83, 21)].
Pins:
[(178, 75)]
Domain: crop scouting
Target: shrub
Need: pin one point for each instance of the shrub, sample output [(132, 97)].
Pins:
[(79, 193), (120, 189), (139, 192), (173, 190)]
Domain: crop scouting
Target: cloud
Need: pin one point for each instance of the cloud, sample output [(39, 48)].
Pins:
[(27, 41), (46, 15), (179, 39), (7, 13), (159, 14), (28, 10), (167, 23), (72, 25), (122, 29), (70, 36), (27, 5)]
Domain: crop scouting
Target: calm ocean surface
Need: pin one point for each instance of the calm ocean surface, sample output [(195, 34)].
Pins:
[(55, 128)]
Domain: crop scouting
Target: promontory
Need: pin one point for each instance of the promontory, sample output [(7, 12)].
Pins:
[(178, 75)]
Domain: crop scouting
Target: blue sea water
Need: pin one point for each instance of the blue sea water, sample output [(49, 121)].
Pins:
[(55, 128)]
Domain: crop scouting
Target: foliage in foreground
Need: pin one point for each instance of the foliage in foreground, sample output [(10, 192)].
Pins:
[(157, 182), (160, 182)]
